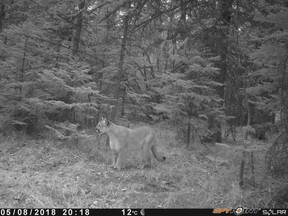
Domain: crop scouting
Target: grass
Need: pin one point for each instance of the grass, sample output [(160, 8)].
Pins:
[(46, 173)]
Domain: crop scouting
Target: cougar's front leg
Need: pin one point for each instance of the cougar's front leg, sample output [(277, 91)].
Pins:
[(118, 164), (114, 157)]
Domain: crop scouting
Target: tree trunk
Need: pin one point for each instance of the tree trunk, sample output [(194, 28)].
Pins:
[(284, 92), (242, 166), (123, 102), (2, 15), (252, 169), (241, 174), (22, 70), (77, 36), (226, 13), (121, 65), (247, 106), (188, 133)]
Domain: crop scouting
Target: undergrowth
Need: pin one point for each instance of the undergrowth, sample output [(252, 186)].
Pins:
[(47, 173)]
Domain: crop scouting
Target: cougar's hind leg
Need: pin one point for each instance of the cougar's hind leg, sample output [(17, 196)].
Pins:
[(146, 157)]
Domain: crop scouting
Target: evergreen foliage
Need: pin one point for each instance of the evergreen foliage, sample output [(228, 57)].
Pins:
[(71, 61)]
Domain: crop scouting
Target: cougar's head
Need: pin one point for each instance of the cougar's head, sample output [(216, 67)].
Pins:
[(102, 125)]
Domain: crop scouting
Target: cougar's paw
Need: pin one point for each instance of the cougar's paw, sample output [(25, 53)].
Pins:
[(147, 166), (118, 168)]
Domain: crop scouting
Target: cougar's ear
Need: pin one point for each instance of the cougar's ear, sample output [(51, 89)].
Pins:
[(107, 122)]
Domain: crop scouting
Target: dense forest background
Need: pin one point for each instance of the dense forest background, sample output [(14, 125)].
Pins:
[(205, 68)]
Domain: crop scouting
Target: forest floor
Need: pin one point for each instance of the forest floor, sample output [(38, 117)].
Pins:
[(49, 174)]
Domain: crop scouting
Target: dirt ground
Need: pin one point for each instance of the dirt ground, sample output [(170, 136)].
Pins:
[(44, 173)]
